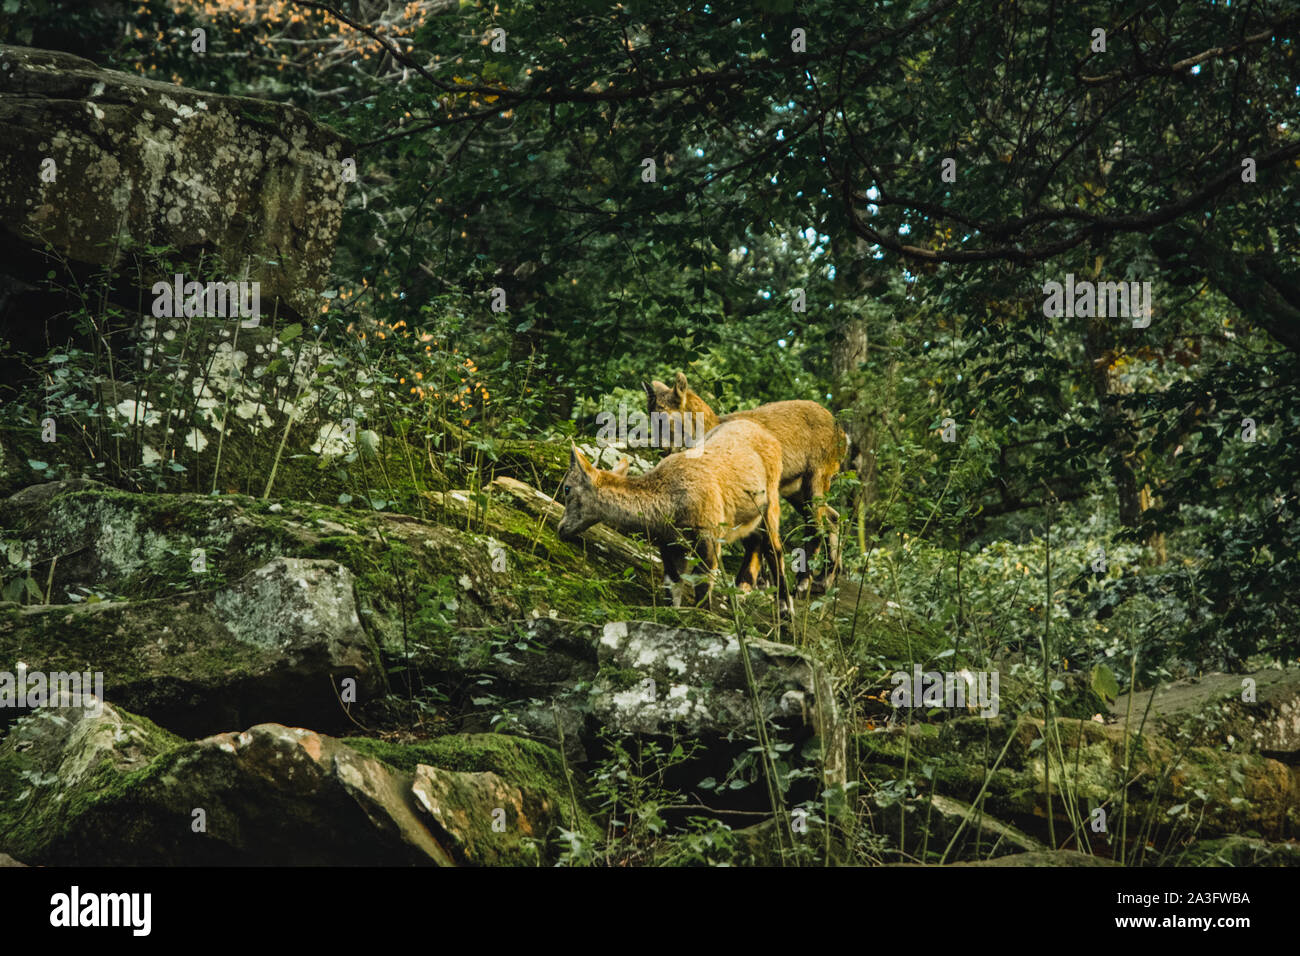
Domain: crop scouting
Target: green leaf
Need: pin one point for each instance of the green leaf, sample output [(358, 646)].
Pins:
[(290, 332), (1104, 683)]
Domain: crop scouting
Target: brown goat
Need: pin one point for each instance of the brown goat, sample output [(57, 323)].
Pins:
[(725, 488), (812, 447)]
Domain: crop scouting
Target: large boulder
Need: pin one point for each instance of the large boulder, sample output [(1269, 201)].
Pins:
[(244, 180), (656, 679), (277, 644), (113, 789), (578, 685)]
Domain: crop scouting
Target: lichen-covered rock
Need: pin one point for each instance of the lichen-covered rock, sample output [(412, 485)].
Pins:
[(570, 684), (113, 789), (1211, 709), (245, 179), (695, 681), (493, 798), (275, 645), (661, 680)]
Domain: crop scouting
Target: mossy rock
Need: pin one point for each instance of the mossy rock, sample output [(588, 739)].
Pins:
[(273, 646), (416, 581), (113, 789), (550, 789), (541, 464), (61, 769), (1169, 783)]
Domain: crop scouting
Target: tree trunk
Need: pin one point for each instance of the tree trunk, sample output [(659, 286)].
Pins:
[(855, 279)]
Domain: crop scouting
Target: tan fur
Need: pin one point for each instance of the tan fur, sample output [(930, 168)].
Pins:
[(812, 447), (726, 488)]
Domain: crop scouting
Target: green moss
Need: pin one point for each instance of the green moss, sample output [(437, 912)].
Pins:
[(541, 464), (35, 827), (522, 761), (526, 764), (896, 642), (1240, 790)]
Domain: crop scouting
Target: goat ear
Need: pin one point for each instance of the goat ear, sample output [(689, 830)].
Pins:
[(576, 457), (681, 383), (621, 468)]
